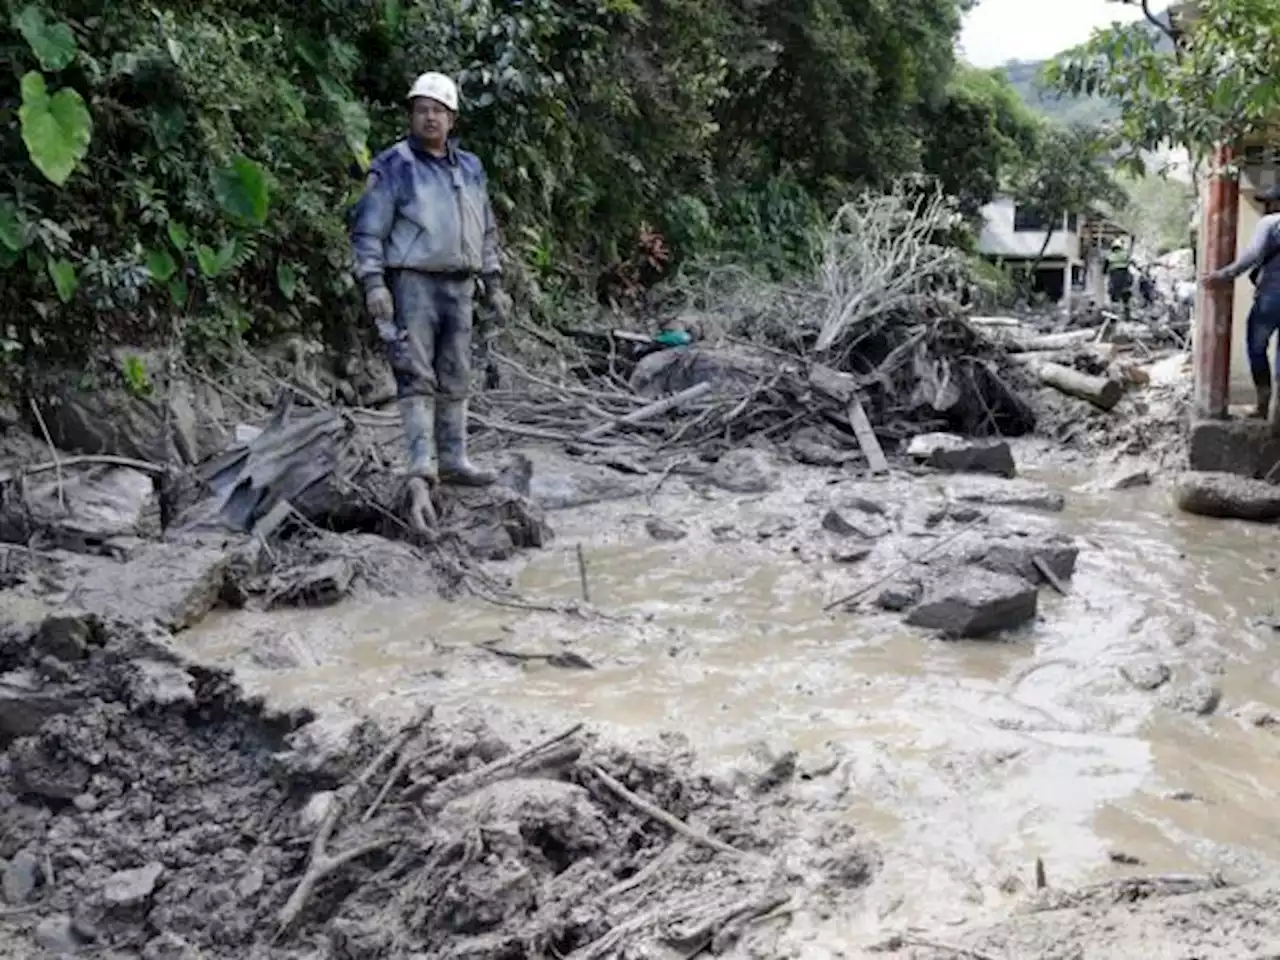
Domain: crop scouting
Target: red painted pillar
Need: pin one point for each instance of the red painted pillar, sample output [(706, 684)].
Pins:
[(1213, 328)]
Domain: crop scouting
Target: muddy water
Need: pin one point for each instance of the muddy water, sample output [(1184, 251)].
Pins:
[(963, 761)]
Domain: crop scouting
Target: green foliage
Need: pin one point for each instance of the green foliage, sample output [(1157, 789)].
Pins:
[(174, 166), (56, 129), (1071, 172), (52, 43), (982, 135), (1193, 84), (136, 379), (1158, 211)]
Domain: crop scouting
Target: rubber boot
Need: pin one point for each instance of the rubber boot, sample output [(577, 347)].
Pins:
[(1264, 401), (451, 435), (417, 422)]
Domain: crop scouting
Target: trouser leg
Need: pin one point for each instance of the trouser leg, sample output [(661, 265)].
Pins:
[(413, 363), (1257, 335), (454, 305)]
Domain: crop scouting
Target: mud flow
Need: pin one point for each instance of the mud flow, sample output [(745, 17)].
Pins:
[(1129, 729)]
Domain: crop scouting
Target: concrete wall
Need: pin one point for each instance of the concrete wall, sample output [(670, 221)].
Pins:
[(999, 239)]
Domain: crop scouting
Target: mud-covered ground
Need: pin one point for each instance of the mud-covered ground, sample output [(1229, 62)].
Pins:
[(149, 808)]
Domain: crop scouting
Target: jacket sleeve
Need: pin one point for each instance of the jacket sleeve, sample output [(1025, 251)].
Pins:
[(375, 214), (491, 254), (1252, 254)]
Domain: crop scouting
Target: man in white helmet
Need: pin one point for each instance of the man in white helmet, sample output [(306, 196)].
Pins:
[(422, 233)]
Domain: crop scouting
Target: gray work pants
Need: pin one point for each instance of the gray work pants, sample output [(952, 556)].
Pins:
[(434, 312)]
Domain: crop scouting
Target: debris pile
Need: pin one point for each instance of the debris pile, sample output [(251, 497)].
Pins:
[(150, 807)]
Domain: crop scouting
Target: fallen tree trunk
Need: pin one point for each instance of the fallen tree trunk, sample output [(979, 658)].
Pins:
[(1053, 341), (1103, 392)]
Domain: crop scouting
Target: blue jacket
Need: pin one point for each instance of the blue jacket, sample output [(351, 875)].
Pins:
[(1265, 242), (420, 212)]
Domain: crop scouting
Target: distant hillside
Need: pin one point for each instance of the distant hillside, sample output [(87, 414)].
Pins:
[(1023, 74)]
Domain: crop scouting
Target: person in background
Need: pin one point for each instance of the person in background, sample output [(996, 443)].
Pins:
[(422, 233), (1120, 275), (1260, 259)]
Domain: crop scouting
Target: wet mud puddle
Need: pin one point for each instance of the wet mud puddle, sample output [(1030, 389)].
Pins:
[(1130, 729)]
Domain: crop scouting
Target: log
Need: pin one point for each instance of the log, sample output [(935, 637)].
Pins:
[(867, 438), (1103, 392), (657, 408), (1054, 341)]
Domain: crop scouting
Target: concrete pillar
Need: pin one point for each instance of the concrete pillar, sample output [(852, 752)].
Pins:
[(1096, 276), (1213, 317)]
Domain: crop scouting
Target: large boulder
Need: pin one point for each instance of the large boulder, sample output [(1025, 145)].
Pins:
[(972, 602), (744, 471), (1016, 556), (1226, 496), (83, 510), (947, 451)]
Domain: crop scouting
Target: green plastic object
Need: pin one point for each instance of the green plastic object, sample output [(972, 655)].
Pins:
[(674, 338)]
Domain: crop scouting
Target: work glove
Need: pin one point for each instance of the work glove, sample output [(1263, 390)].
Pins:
[(497, 300), (381, 307)]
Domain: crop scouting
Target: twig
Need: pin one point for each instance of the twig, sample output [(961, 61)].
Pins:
[(321, 863), (410, 731), (397, 771), (657, 813), (654, 409), (53, 452), (671, 468), (582, 574), (911, 561), (465, 783), (654, 867)]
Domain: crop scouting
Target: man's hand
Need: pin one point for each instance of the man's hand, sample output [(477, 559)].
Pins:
[(497, 300), (381, 307), (1211, 281)]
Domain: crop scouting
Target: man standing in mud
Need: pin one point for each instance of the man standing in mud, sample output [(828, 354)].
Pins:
[(1260, 258), (423, 232)]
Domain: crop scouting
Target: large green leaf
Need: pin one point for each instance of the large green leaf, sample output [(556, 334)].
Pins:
[(56, 129), (179, 236), (52, 43), (64, 278), (215, 263), (286, 280), (12, 233), (242, 192), (160, 265)]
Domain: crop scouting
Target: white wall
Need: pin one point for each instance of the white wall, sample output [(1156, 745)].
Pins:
[(999, 239)]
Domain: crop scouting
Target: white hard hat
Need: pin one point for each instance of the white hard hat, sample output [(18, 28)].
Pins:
[(438, 87)]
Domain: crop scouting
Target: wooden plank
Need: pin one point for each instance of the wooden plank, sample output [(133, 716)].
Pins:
[(867, 438)]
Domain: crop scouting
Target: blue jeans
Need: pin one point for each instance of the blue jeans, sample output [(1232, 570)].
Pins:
[(1264, 320), (434, 312)]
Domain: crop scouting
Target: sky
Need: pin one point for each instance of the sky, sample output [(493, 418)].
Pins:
[(1002, 30)]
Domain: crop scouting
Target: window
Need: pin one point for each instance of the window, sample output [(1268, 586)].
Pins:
[(1073, 222), (1027, 220)]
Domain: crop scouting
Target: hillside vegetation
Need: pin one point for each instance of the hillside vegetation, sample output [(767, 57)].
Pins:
[(181, 171)]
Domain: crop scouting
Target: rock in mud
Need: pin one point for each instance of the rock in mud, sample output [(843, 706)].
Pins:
[(57, 935), (1200, 698), (175, 584), (84, 511), (670, 371), (559, 484), (66, 637), (973, 602), (1226, 496), (128, 888), (21, 877), (664, 530), (811, 448), (850, 555), (1007, 493), (1129, 479), (1016, 555), (1147, 674), (27, 701), (955, 454), (744, 471), (900, 596), (865, 527)]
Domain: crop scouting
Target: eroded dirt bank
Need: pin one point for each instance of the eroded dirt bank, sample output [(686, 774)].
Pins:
[(150, 809)]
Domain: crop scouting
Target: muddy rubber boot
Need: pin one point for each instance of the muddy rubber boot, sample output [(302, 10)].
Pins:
[(417, 422), (1263, 409), (451, 435)]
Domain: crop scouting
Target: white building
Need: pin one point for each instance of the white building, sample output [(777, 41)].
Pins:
[(1014, 236)]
